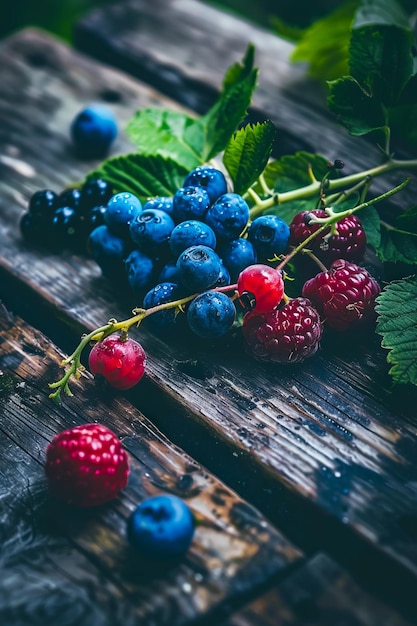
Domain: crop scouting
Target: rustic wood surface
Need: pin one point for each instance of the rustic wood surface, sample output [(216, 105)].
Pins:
[(234, 549), (324, 445), (184, 47), (319, 593)]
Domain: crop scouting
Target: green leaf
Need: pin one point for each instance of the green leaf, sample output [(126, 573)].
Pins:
[(380, 59), (408, 220), (372, 12), (225, 116), (355, 108), (247, 154), (397, 245), (396, 323), (144, 176), (294, 170), (325, 44), (170, 134), (371, 223)]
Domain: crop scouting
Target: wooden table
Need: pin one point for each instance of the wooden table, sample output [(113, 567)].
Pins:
[(304, 481)]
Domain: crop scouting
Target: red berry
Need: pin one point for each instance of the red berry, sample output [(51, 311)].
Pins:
[(285, 335), (265, 284), (349, 243), (120, 361), (86, 465), (344, 295)]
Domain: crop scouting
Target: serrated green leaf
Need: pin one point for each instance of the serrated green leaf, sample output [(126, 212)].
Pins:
[(247, 154), (229, 111), (325, 44), (408, 220), (356, 109), (397, 324), (144, 176), (380, 59), (170, 134)]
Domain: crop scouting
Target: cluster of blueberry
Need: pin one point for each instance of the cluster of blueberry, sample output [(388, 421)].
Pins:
[(66, 219), (199, 239)]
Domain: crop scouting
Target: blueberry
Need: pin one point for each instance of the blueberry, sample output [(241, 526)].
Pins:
[(93, 130), (199, 267), (236, 255), (190, 203), (228, 216), (70, 197), (140, 270), (191, 233), (109, 252), (65, 226), (162, 203), (169, 273), (43, 202), (35, 228), (269, 235), (96, 192), (211, 314), (210, 178), (169, 319), (161, 527), (122, 208), (94, 217), (150, 230)]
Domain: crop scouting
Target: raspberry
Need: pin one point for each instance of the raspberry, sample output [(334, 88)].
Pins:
[(343, 295), (86, 465), (349, 243), (285, 335)]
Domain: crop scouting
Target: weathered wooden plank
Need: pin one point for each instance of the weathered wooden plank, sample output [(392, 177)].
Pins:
[(320, 592), (330, 432), (234, 549), (184, 47)]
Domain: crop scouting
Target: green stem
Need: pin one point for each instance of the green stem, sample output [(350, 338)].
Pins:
[(333, 184)]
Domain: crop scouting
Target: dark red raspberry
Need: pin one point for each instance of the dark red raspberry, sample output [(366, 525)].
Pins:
[(349, 243), (285, 335), (86, 465), (344, 295)]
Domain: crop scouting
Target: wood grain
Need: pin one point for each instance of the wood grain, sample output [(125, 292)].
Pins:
[(234, 550), (320, 593), (332, 432)]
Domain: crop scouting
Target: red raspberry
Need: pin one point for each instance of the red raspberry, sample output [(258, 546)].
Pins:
[(349, 243), (285, 335), (343, 295), (86, 465)]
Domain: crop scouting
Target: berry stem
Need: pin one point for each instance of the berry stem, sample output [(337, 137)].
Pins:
[(333, 184)]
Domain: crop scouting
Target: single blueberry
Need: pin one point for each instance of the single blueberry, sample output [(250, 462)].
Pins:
[(236, 255), (150, 230), (95, 192), (65, 227), (269, 235), (161, 527), (167, 320), (210, 178), (199, 267), (94, 217), (70, 197), (191, 233), (140, 270), (122, 209), (93, 130), (169, 273), (162, 203), (43, 202), (109, 252), (211, 314), (190, 203), (228, 216)]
